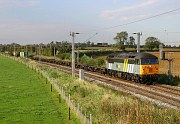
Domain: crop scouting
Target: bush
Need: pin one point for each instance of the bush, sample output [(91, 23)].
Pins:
[(86, 60), (96, 53), (100, 62), (65, 56), (163, 79)]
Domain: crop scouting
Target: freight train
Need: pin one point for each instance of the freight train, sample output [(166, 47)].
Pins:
[(137, 67)]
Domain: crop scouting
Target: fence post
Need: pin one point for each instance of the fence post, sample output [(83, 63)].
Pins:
[(78, 109), (85, 118), (51, 87), (62, 90), (81, 115), (90, 119), (69, 99), (59, 98), (64, 95), (69, 113), (74, 105)]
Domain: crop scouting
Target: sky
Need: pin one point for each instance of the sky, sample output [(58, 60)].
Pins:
[(43, 21)]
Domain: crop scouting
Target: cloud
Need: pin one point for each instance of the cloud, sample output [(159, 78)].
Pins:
[(114, 1), (18, 3), (113, 14)]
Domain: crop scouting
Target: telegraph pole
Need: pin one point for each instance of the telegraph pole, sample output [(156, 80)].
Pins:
[(78, 54), (138, 41), (26, 51), (169, 59), (14, 50), (73, 56), (39, 52), (54, 52)]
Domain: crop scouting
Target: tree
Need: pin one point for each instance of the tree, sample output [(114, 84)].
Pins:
[(100, 61), (152, 43), (86, 60), (131, 42), (120, 39)]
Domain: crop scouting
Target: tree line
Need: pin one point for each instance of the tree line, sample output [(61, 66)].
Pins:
[(121, 38), (123, 41)]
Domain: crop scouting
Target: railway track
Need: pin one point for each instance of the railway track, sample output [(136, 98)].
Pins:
[(162, 95)]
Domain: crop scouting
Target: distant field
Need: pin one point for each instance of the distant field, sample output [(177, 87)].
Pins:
[(26, 98), (163, 65)]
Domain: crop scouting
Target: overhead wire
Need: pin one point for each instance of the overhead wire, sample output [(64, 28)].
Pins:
[(132, 22), (107, 28)]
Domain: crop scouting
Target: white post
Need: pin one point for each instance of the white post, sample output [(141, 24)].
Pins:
[(74, 105), (64, 95), (85, 118), (81, 74), (78, 108), (69, 99), (73, 57), (14, 50), (90, 119), (61, 90), (138, 41)]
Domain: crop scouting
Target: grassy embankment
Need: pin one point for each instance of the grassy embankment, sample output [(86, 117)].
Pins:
[(109, 106), (26, 98)]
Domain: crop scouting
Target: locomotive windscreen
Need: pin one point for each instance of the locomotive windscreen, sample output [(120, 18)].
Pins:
[(149, 61)]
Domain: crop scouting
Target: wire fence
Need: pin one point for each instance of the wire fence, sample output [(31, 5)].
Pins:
[(63, 94)]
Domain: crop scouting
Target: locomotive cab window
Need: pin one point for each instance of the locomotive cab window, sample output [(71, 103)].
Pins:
[(149, 61), (137, 62), (131, 61)]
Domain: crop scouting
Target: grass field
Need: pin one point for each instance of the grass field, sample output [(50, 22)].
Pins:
[(26, 98)]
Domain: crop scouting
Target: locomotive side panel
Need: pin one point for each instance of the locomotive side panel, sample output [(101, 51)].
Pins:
[(136, 69)]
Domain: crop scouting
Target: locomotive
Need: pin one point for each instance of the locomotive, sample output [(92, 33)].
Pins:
[(137, 67)]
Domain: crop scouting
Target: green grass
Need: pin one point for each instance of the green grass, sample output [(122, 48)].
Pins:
[(26, 98)]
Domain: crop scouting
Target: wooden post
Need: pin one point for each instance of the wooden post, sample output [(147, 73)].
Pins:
[(51, 87), (46, 80), (59, 98), (69, 113)]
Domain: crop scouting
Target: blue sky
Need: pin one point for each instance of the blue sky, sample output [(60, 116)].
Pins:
[(42, 21)]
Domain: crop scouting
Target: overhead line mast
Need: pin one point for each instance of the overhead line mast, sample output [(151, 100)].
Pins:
[(73, 56)]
